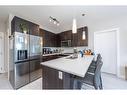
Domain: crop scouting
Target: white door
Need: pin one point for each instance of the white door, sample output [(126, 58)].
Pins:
[(1, 52), (105, 43)]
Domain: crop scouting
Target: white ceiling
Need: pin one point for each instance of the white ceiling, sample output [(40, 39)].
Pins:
[(64, 14)]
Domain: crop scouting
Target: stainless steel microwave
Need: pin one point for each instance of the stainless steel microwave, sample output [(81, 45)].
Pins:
[(66, 43)]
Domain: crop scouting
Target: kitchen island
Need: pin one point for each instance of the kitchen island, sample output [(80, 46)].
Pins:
[(58, 73)]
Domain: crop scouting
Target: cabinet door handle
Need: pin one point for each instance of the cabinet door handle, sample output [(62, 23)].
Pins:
[(60, 75)]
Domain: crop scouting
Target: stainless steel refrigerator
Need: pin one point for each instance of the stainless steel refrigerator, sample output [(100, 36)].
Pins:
[(35, 50), (25, 58)]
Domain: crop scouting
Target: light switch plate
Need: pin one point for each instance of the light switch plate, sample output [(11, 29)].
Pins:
[(60, 75)]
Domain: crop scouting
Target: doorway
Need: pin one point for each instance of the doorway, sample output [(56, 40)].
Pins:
[(107, 44), (1, 52)]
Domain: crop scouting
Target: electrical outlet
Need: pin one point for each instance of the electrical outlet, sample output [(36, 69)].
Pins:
[(60, 75)]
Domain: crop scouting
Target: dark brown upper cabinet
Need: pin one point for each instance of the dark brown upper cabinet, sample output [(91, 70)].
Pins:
[(41, 33), (49, 38), (21, 25), (54, 40), (66, 35), (58, 40), (76, 39), (80, 41), (33, 29), (16, 25)]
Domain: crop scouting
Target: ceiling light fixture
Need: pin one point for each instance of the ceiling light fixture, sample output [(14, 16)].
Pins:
[(55, 21), (74, 26), (84, 35), (58, 24)]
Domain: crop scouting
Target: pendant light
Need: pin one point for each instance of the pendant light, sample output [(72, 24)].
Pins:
[(84, 35), (74, 26)]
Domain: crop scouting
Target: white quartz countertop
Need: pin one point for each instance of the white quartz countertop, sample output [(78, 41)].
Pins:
[(76, 66)]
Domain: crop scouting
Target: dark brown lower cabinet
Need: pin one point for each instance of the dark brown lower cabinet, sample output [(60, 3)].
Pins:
[(55, 79), (51, 57)]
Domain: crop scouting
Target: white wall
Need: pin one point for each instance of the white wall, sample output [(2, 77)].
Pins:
[(70, 49), (120, 23), (8, 28), (3, 29), (2, 26)]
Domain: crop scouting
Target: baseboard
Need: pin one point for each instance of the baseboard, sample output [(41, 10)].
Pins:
[(121, 76), (2, 72)]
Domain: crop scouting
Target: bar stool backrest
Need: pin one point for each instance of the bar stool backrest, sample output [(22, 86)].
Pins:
[(97, 74)]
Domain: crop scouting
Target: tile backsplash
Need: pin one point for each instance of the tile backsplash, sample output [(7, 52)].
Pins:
[(70, 49)]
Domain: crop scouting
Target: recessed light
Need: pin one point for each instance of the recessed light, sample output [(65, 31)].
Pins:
[(54, 22)]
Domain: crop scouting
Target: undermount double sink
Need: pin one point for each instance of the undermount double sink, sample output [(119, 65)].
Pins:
[(72, 57)]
